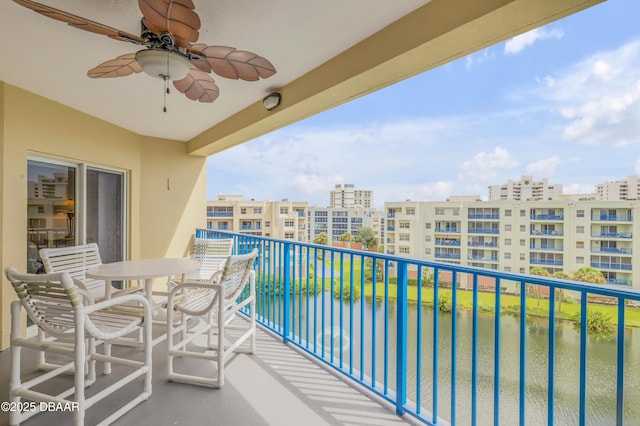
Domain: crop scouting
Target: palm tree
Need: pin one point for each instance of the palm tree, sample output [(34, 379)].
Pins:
[(561, 276), (541, 272), (346, 238), (587, 274)]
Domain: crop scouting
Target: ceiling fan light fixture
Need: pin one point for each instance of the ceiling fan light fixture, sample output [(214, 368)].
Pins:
[(163, 64)]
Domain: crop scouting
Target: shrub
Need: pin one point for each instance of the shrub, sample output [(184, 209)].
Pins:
[(599, 324), (346, 293), (444, 303)]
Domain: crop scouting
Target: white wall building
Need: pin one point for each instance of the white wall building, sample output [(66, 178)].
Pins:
[(516, 236), (348, 196), (526, 189), (625, 189), (335, 221), (276, 219)]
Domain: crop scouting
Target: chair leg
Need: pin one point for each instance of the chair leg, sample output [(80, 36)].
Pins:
[(221, 351), (41, 361), (15, 352), (80, 353)]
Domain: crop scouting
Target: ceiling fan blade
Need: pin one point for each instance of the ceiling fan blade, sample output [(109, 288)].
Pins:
[(231, 63), (198, 86), (176, 17), (122, 66), (81, 23)]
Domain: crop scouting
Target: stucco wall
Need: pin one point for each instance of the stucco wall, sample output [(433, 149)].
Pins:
[(161, 218)]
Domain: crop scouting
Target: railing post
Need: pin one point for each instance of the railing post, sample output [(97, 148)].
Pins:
[(401, 339), (287, 287)]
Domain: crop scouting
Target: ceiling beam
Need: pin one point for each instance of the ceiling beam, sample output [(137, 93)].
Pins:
[(436, 33)]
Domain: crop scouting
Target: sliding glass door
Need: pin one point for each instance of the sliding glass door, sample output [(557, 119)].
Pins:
[(105, 213), (74, 203)]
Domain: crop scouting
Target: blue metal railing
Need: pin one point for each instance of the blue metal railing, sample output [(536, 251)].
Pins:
[(541, 232), (484, 231), (547, 217), (610, 265), (612, 217), (309, 295), (483, 216), (613, 234), (619, 250), (219, 214)]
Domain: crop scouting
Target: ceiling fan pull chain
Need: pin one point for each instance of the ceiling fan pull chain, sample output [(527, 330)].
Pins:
[(166, 91)]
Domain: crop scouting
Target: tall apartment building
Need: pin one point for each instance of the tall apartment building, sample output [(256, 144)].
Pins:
[(276, 219), (516, 236), (348, 196), (526, 189), (335, 221), (625, 189)]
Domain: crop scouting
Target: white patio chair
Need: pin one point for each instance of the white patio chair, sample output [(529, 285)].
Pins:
[(216, 300), (55, 304), (76, 260), (211, 254)]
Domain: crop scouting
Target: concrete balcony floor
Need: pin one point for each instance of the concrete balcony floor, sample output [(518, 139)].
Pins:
[(277, 385)]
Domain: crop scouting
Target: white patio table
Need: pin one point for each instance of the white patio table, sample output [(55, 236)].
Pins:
[(142, 269)]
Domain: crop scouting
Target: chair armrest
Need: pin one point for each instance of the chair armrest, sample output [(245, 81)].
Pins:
[(120, 300)]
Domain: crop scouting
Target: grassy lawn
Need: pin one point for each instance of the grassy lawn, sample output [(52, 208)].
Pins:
[(632, 315)]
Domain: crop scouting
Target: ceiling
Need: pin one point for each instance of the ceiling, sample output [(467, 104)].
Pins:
[(325, 53)]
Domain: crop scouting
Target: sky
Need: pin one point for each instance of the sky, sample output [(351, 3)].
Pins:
[(560, 102)]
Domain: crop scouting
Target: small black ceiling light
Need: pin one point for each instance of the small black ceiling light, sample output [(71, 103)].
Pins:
[(271, 101)]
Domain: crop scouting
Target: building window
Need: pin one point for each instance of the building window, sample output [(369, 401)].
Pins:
[(404, 224), (507, 268), (288, 235), (411, 211), (288, 223), (523, 228), (523, 213), (427, 226), (257, 210), (427, 238), (522, 270), (267, 224), (427, 251), (580, 260), (522, 256), (580, 244), (404, 237), (507, 241), (579, 213), (507, 227), (284, 210), (243, 210), (523, 243), (507, 212), (439, 211), (404, 250), (507, 256), (579, 229)]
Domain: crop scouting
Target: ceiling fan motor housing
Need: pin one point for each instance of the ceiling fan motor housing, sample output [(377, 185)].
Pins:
[(163, 64)]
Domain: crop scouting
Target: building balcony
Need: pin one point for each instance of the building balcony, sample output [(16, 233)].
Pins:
[(479, 244), (539, 217), (549, 262), (219, 214), (483, 231), (546, 247), (612, 218), (477, 258), (447, 255), (614, 266), (625, 235), (250, 228), (445, 242), (619, 281), (553, 233), (616, 250), (448, 230), (483, 216)]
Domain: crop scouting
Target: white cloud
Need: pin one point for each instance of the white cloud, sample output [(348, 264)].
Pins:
[(599, 97), (519, 43), (311, 184), (577, 188), (544, 167), (637, 165), (479, 58), (485, 166)]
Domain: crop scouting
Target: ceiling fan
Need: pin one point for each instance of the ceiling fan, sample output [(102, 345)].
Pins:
[(169, 34)]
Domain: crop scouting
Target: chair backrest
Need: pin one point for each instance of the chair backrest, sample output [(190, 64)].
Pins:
[(235, 274), (211, 254), (75, 260), (49, 299)]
